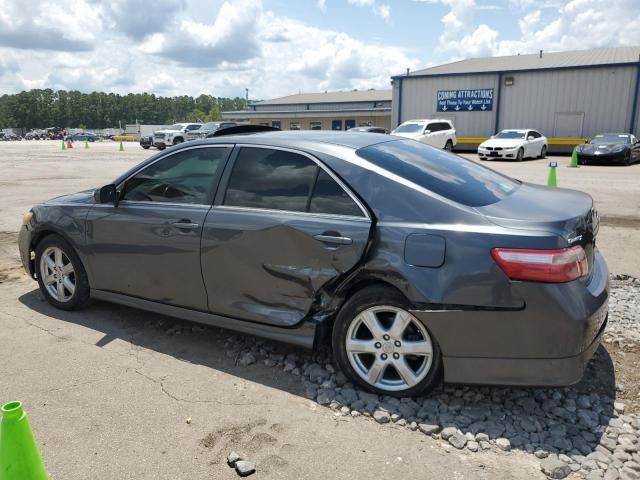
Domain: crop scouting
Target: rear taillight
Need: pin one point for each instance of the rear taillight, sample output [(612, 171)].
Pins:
[(552, 266)]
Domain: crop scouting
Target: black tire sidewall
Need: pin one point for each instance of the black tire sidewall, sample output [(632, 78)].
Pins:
[(81, 294), (543, 152), (367, 298), (520, 155), (448, 146)]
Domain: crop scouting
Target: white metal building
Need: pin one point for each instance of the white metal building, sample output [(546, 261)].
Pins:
[(321, 111), (567, 96)]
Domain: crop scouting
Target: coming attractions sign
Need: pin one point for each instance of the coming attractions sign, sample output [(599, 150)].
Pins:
[(475, 100)]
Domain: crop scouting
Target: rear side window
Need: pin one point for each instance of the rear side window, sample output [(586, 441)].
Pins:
[(329, 197), (272, 179), (446, 174), (280, 180)]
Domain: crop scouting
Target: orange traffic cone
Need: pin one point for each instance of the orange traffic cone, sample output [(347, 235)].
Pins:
[(69, 143)]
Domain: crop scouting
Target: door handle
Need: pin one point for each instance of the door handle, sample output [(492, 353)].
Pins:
[(185, 225), (338, 240)]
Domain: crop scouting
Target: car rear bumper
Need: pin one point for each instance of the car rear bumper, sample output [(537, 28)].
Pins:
[(546, 343)]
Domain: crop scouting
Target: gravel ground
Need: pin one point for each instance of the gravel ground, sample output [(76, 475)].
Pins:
[(578, 432)]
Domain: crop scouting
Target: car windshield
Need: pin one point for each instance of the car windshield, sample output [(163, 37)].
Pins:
[(510, 134), (177, 126), (409, 128), (446, 174), (609, 138)]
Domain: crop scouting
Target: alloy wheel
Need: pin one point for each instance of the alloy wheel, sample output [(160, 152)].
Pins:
[(58, 274), (389, 348)]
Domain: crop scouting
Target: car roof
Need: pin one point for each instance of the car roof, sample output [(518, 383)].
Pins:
[(294, 138), (516, 129), (428, 120)]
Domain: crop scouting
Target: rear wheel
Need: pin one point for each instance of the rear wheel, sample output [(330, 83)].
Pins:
[(543, 151), (384, 348), (61, 275), (520, 155), (448, 146)]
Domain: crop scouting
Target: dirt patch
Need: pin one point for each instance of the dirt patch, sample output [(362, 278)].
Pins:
[(626, 359), (625, 222)]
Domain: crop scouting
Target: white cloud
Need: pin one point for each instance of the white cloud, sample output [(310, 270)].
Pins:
[(578, 24), (219, 51), (322, 5), (381, 10)]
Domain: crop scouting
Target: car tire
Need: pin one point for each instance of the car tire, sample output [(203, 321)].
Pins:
[(161, 148), (448, 146), (386, 306), (177, 141), (627, 159), (543, 151), (69, 287), (520, 155), (147, 147)]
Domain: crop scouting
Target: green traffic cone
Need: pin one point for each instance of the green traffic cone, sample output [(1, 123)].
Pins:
[(552, 181), (121, 146), (63, 147), (19, 455), (86, 144), (574, 158)]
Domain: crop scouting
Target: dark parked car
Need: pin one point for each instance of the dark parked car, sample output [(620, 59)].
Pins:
[(208, 128), (81, 137), (368, 129), (621, 148), (414, 263), (146, 142)]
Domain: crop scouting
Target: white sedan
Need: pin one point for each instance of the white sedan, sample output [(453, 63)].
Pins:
[(514, 144)]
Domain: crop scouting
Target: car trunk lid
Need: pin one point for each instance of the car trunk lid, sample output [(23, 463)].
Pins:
[(567, 213)]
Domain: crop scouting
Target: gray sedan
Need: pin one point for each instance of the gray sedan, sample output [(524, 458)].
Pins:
[(413, 263)]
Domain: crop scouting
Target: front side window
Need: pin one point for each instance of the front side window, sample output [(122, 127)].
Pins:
[(183, 177), (271, 179), (432, 128), (448, 175)]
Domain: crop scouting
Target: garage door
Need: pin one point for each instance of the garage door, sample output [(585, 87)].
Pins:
[(568, 125)]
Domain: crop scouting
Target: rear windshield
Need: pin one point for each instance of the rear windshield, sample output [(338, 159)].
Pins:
[(444, 173)]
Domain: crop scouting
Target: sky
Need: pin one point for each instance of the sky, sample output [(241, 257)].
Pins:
[(280, 47)]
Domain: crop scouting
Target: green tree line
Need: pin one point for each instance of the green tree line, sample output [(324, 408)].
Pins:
[(41, 108)]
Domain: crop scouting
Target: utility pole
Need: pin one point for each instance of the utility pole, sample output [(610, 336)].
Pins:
[(246, 92)]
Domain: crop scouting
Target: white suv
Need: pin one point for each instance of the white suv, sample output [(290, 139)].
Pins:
[(173, 135), (436, 132)]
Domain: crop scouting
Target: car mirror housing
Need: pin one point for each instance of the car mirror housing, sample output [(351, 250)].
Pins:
[(493, 136), (427, 131), (106, 194), (531, 137)]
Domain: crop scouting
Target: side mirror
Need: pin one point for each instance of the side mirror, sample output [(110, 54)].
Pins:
[(493, 136), (531, 137), (427, 131), (106, 194)]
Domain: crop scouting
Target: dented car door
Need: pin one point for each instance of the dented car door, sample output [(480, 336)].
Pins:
[(282, 228)]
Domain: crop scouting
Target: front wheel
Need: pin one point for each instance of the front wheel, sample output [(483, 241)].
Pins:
[(448, 146), (382, 347), (61, 275), (520, 155)]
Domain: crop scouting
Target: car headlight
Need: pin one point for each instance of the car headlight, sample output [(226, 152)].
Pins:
[(26, 220)]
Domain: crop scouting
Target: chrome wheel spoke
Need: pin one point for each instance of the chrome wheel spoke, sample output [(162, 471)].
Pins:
[(60, 291), (67, 269), (49, 279), (370, 319), (406, 374), (50, 261), (400, 323), (58, 257), (376, 372), (361, 346), (69, 285), (420, 348)]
